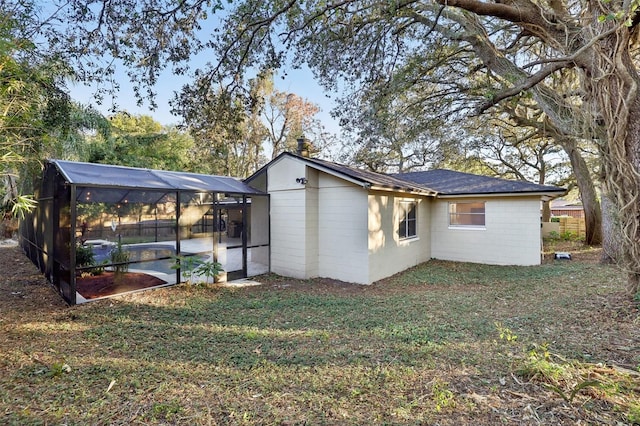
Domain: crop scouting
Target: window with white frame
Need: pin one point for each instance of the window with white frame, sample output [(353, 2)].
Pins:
[(467, 214), (407, 226)]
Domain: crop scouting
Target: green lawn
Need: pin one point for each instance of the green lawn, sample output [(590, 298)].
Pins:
[(443, 343)]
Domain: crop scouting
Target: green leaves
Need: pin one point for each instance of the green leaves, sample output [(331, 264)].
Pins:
[(192, 267), (210, 270), (621, 15), (574, 391), (140, 141), (37, 118), (22, 204)]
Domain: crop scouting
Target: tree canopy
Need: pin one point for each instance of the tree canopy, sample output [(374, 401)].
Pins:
[(38, 120), (140, 141)]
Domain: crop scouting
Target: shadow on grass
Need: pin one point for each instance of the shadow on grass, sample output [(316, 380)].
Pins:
[(305, 331), (408, 348), (448, 305)]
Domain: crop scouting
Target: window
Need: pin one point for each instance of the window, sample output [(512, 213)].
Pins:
[(469, 214), (407, 226)]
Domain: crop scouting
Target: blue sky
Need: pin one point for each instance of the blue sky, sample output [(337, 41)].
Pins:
[(300, 82), (297, 81)]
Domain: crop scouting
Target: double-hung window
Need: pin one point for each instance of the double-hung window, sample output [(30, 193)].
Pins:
[(467, 214), (407, 227)]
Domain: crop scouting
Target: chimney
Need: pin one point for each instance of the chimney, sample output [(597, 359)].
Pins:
[(303, 148)]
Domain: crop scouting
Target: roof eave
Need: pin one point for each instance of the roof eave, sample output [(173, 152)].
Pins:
[(412, 191), (545, 195), (365, 183), (327, 170), (60, 170)]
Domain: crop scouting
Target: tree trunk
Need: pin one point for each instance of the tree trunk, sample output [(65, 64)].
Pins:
[(633, 234), (614, 88), (633, 284), (546, 211), (590, 204), (610, 230)]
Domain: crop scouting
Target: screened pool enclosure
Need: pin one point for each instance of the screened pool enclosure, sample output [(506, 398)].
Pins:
[(101, 230)]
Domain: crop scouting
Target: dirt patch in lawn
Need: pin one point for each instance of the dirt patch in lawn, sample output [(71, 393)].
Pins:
[(24, 291)]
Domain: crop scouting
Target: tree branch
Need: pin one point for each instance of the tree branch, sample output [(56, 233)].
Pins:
[(498, 10), (556, 64), (524, 85), (251, 29)]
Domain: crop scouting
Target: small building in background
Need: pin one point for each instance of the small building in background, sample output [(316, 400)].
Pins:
[(562, 207)]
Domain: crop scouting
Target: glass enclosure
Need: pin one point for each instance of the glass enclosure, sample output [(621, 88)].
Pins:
[(95, 241)]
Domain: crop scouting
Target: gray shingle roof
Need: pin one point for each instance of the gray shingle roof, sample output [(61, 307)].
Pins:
[(432, 182), (449, 182), (372, 179)]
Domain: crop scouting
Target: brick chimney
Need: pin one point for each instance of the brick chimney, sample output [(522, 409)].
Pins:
[(303, 148)]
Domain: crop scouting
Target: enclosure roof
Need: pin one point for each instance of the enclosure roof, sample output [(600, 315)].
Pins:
[(109, 176), (449, 182)]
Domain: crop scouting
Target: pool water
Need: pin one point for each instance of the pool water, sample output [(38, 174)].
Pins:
[(155, 258)]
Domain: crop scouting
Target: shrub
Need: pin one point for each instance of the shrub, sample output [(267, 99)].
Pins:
[(187, 266), (568, 236), (209, 270), (84, 255), (553, 235), (120, 258)]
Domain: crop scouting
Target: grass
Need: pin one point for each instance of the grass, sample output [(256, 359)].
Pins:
[(444, 343)]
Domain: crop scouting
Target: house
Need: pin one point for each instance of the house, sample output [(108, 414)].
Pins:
[(561, 207), (100, 229), (334, 221)]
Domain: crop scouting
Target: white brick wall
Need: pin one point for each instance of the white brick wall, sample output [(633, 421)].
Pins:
[(336, 229), (311, 219), (342, 230), (511, 235), (288, 255), (387, 253), (317, 229)]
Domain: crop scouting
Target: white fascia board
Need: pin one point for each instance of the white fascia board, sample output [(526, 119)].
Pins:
[(404, 191), (339, 175), (545, 196)]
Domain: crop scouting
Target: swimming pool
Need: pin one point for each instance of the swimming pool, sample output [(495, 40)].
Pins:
[(145, 257)]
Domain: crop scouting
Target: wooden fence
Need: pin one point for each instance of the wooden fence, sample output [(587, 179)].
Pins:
[(574, 225)]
